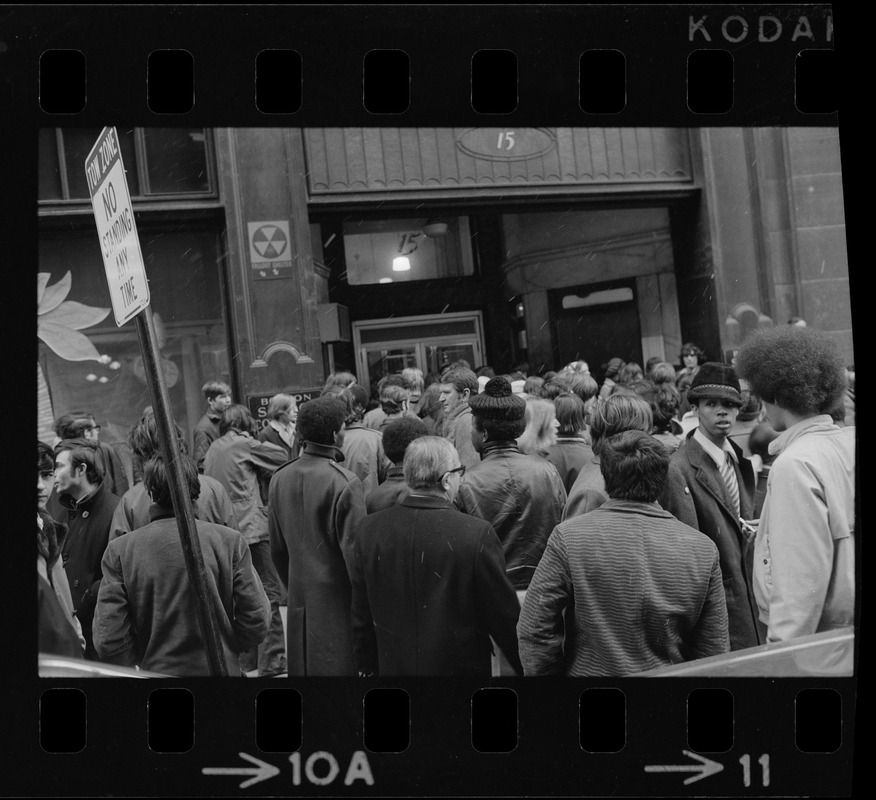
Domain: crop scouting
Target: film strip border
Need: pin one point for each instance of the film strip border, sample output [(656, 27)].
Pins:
[(654, 65), (571, 738), (387, 81)]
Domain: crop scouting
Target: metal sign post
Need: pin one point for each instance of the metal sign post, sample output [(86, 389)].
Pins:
[(129, 290)]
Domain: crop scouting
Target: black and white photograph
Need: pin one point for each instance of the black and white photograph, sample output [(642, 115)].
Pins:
[(428, 423), (529, 295)]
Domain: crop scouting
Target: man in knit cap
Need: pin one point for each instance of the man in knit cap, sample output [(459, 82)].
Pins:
[(710, 486), (521, 496)]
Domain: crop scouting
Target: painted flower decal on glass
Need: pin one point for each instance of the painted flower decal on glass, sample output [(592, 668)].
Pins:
[(59, 320), (58, 324)]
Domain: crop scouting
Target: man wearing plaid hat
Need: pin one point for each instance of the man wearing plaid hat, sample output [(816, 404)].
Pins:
[(710, 486)]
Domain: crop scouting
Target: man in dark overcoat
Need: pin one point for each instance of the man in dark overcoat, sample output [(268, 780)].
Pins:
[(314, 506), (82, 503), (430, 587), (700, 491)]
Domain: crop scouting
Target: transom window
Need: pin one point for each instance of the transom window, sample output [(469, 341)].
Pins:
[(159, 162)]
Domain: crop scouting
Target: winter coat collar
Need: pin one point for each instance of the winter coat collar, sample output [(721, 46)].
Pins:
[(425, 501), (323, 451), (460, 409), (84, 503), (572, 439), (819, 423), (635, 507), (395, 474), (157, 511), (498, 448), (716, 453)]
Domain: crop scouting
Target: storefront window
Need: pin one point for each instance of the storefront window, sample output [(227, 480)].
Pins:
[(176, 160), (185, 287), (158, 162), (392, 251)]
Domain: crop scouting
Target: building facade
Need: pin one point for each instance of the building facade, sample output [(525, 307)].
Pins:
[(275, 255)]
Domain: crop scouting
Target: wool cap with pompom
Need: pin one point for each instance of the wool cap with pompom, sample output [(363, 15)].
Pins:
[(497, 401)]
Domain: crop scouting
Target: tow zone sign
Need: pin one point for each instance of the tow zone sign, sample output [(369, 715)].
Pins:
[(116, 228)]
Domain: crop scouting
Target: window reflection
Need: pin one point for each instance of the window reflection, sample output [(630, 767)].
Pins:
[(406, 250), (192, 339)]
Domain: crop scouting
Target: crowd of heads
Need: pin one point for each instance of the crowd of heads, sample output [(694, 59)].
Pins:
[(790, 366)]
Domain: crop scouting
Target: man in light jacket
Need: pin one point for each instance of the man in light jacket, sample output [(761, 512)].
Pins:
[(804, 554)]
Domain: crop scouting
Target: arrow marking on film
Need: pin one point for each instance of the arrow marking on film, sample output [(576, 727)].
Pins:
[(706, 767), (261, 772)]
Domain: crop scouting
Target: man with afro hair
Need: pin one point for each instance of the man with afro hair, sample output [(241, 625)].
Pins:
[(396, 438), (804, 556)]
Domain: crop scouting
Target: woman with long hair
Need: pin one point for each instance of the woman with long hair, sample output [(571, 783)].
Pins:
[(541, 427)]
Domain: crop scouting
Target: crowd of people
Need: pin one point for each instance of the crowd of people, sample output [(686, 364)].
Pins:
[(469, 523)]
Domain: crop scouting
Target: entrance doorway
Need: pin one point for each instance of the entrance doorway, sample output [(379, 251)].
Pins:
[(428, 342), (595, 324)]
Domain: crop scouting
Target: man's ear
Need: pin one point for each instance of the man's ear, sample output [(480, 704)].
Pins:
[(466, 393)]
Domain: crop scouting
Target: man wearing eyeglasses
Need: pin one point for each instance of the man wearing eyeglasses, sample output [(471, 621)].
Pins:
[(429, 582)]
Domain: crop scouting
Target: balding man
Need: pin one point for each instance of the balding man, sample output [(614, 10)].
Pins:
[(430, 588)]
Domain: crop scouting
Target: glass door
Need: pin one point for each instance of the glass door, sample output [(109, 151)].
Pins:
[(440, 356), (430, 343), (383, 360)]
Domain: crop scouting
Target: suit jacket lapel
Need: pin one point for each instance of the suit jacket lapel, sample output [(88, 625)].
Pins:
[(710, 478)]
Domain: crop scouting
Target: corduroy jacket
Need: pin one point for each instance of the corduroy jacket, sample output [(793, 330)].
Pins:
[(621, 590)]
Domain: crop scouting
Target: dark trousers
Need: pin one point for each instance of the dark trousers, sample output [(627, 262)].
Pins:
[(270, 655)]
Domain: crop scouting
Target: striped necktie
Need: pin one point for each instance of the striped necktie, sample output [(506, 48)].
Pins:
[(728, 473)]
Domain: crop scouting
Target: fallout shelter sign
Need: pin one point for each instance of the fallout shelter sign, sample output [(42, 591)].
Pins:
[(270, 250)]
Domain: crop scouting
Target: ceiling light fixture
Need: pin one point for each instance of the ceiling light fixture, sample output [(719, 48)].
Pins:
[(435, 228)]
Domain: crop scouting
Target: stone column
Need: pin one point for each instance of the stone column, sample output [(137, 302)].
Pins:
[(272, 289)]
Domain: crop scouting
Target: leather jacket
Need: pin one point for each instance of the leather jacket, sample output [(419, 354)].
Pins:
[(521, 496)]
